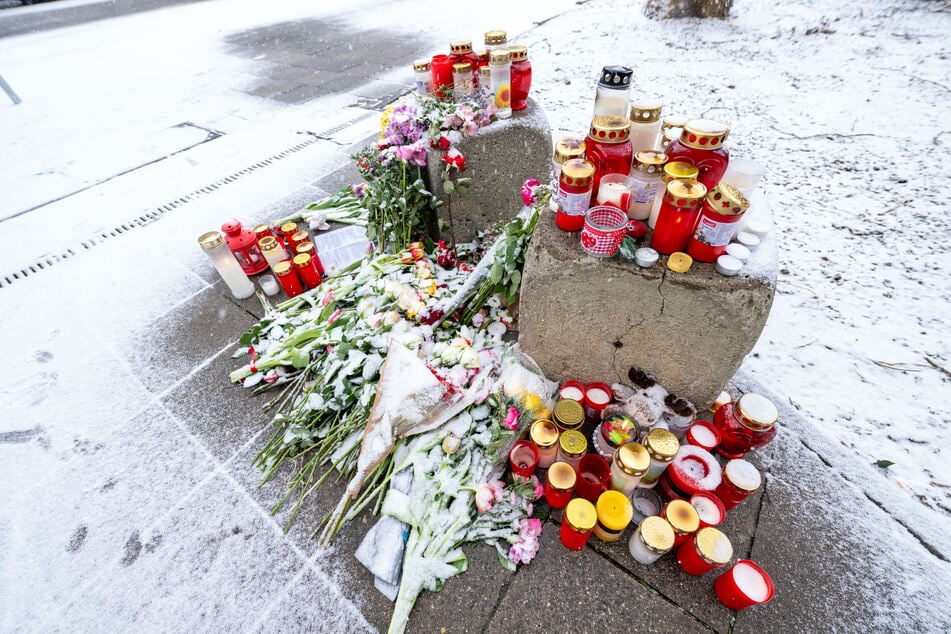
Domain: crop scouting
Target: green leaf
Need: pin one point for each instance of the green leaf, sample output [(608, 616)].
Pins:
[(516, 278), (448, 188), (884, 464), (245, 339), (495, 273), (628, 247), (299, 358)]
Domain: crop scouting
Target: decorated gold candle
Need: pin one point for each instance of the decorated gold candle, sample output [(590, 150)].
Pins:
[(568, 414), (544, 434), (571, 446)]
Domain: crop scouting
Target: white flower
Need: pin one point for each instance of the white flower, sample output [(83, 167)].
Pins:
[(469, 359), (319, 222), (391, 317), (364, 306), (451, 354), (375, 320)]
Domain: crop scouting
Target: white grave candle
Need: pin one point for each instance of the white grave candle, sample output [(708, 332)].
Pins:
[(615, 193), (645, 257)]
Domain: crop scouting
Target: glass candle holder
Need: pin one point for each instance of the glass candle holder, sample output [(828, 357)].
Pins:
[(523, 458), (269, 285), (574, 193), (288, 278), (616, 190), (613, 93), (645, 126), (580, 519), (566, 148), (612, 432), (500, 74), (744, 174), (594, 473), (441, 68), (704, 434), (628, 466), (677, 216), (701, 144), (719, 221), (521, 76), (740, 478), (709, 508), (568, 414), (683, 519), (608, 147), (746, 424), (572, 445), (744, 585), (560, 484), (653, 539), (213, 244), (307, 269), (706, 550), (614, 514), (646, 502), (693, 469), (662, 447), (424, 77), (272, 250), (679, 415), (544, 434), (244, 244), (673, 170), (573, 390), (604, 229), (462, 82)]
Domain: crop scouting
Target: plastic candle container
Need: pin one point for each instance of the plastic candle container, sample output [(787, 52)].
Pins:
[(568, 414), (544, 434), (701, 144), (706, 550), (299, 238), (575, 185), (596, 398), (594, 473), (523, 458), (572, 445), (308, 248), (693, 469), (485, 84), (662, 447), (613, 93), (461, 53), (615, 191), (272, 250), (288, 278), (671, 128), (703, 434), (614, 514), (645, 126), (740, 478), (573, 390), (608, 147), (718, 222), (709, 508), (580, 519), (307, 269), (287, 230), (745, 425), (566, 148), (647, 171), (679, 415), (677, 215), (424, 78), (721, 401), (646, 257), (463, 86), (521, 76), (494, 40), (744, 585), (629, 465), (653, 539), (213, 244), (244, 244), (744, 173), (269, 285), (262, 231), (441, 68), (646, 502), (560, 484), (614, 431), (683, 519), (676, 170), (500, 74)]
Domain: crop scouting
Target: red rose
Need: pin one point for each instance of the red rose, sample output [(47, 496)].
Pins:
[(443, 143)]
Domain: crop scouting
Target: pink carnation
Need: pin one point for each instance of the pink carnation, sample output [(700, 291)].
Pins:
[(528, 191), (511, 421), (484, 498)]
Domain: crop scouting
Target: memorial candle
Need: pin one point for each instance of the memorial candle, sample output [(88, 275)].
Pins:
[(676, 170), (662, 447), (646, 502), (645, 126), (745, 425), (573, 390), (704, 434), (653, 538), (594, 473), (683, 518), (614, 514), (608, 147), (580, 519), (575, 185), (701, 144), (213, 244), (719, 219), (521, 76), (629, 465), (744, 585), (706, 550), (566, 148), (740, 478), (709, 508), (596, 398), (647, 172), (523, 458), (616, 190), (677, 216), (612, 432), (560, 484), (544, 434), (572, 445), (288, 278), (568, 414)]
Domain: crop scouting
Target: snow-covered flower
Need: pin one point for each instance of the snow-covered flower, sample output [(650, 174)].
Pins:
[(528, 191), (391, 317), (450, 444), (375, 320), (333, 317), (327, 297), (484, 497), (511, 419), (469, 358)]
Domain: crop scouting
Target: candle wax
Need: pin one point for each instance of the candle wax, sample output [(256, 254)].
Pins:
[(617, 194), (573, 393), (523, 458), (707, 510), (598, 396), (750, 582), (645, 506)]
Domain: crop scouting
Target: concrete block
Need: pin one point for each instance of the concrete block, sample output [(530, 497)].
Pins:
[(593, 319), (499, 158)]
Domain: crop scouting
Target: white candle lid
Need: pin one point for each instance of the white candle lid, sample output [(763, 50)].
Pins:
[(757, 227)]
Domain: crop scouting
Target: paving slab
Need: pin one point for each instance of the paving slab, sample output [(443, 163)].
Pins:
[(297, 611)]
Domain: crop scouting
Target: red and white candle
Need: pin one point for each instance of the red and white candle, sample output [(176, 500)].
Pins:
[(709, 508), (744, 585), (703, 434)]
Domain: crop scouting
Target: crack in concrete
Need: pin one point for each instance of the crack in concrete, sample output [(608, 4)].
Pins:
[(663, 298)]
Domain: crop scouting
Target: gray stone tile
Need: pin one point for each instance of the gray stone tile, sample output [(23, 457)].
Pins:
[(164, 351), (298, 612), (341, 177), (382, 92), (302, 94), (580, 591)]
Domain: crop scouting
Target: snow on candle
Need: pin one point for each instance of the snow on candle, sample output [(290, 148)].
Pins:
[(572, 392), (750, 582), (597, 396), (743, 474), (710, 511), (703, 435)]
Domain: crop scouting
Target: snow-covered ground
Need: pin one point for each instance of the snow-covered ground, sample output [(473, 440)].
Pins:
[(845, 103)]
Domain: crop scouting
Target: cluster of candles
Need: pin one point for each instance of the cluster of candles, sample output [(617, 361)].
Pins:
[(633, 468), (500, 73), (670, 175), (237, 253)]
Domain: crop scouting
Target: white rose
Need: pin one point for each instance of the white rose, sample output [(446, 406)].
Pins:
[(469, 359), (391, 317)]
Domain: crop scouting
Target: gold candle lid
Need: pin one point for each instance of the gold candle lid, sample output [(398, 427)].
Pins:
[(609, 129), (211, 240), (544, 433), (268, 243), (743, 475), (301, 260), (422, 66), (657, 534), (577, 171), (261, 230), (661, 444), (633, 459), (562, 476), (756, 412), (461, 47), (674, 121), (614, 510), (713, 546), (519, 52), (485, 72), (495, 38), (727, 200), (580, 515), (645, 112), (462, 68), (573, 442), (300, 236), (283, 268), (650, 161), (704, 134), (499, 57), (305, 247), (680, 170), (567, 148), (569, 414), (685, 194), (289, 228), (683, 517)]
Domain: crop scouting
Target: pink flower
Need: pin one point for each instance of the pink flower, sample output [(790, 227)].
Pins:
[(528, 191), (511, 420), (539, 489), (497, 488), (413, 153), (531, 527), (484, 498), (328, 297), (478, 319), (333, 317)]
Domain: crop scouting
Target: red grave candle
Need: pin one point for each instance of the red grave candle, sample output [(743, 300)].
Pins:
[(576, 528), (596, 398), (288, 278), (608, 147), (683, 519), (594, 473), (704, 434), (521, 76), (285, 231), (709, 508), (559, 484), (740, 478), (744, 585), (523, 458), (309, 248), (706, 550), (693, 469), (573, 390), (575, 185), (746, 424), (677, 216), (441, 68), (701, 145), (720, 216), (244, 245), (307, 269)]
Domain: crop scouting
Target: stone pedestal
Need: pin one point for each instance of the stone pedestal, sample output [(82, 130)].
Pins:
[(592, 319), (499, 158)]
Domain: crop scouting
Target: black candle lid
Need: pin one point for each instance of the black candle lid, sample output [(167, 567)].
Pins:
[(616, 76)]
